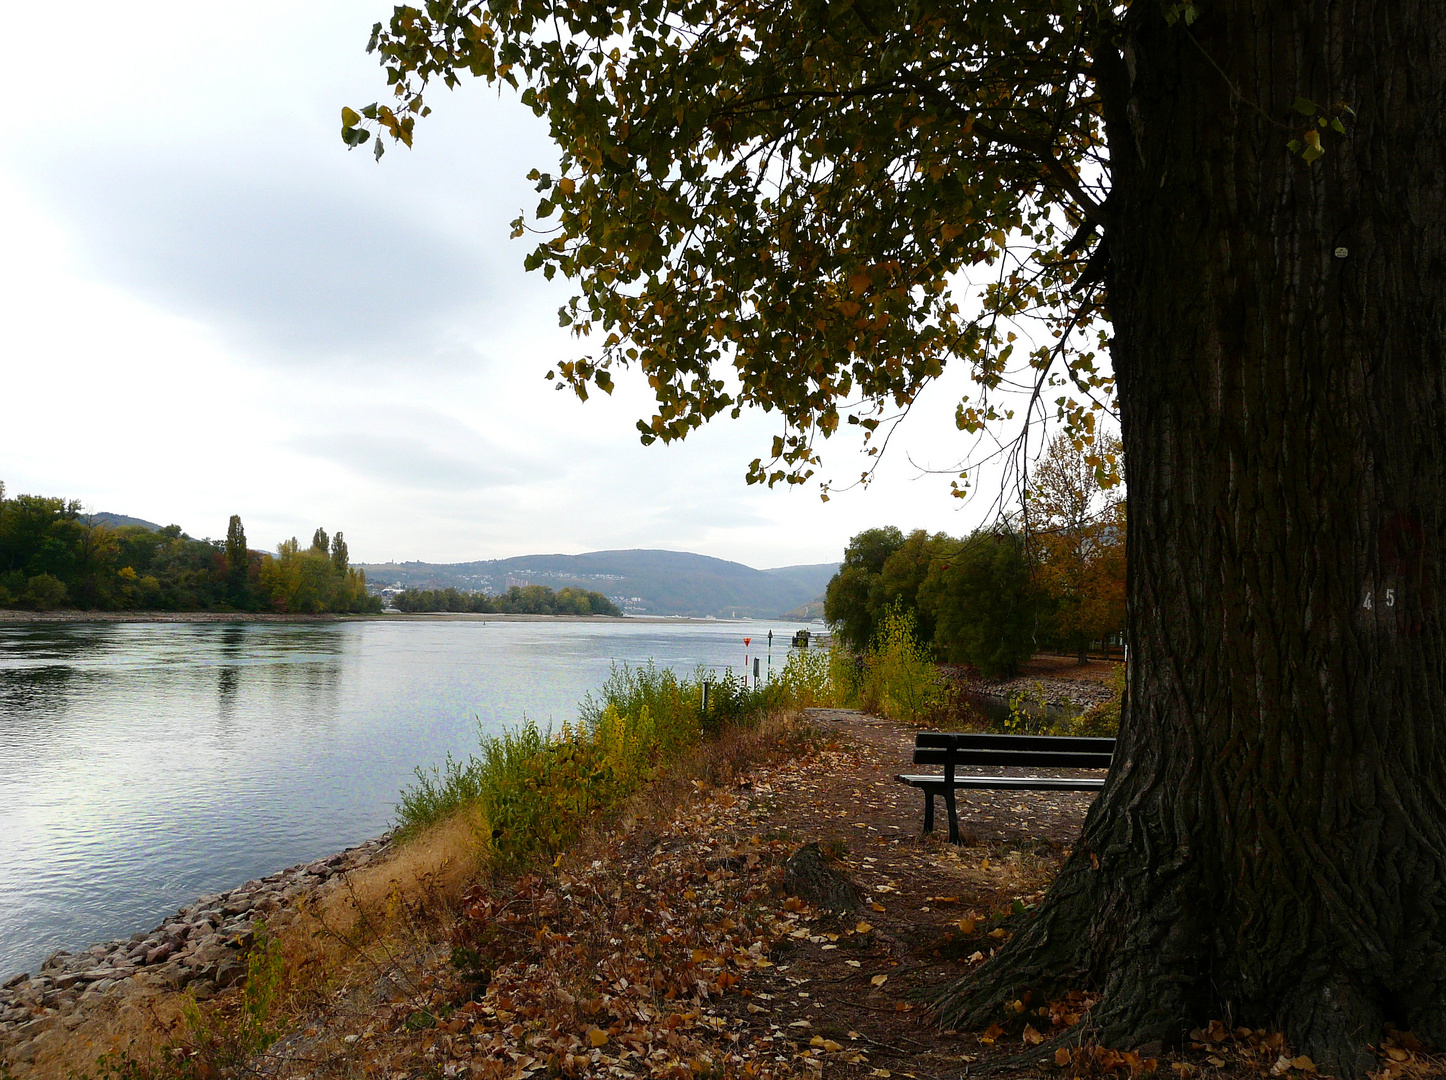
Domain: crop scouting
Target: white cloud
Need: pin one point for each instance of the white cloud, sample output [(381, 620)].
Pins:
[(207, 306)]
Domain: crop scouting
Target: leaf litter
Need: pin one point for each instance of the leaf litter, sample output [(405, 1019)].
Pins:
[(671, 952)]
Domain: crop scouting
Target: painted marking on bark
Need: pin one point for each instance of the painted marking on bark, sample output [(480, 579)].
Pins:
[(1369, 603)]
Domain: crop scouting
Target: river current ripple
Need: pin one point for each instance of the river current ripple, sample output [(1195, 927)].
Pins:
[(145, 764)]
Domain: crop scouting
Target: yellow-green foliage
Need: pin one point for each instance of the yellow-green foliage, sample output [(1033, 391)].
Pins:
[(1029, 712), (1104, 718), (306, 580), (896, 678), (847, 673), (806, 681), (530, 791), (572, 774)]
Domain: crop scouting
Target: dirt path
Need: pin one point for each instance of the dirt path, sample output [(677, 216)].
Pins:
[(918, 889)]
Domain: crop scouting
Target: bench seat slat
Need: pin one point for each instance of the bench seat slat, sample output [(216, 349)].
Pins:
[(1036, 758), (1021, 783), (983, 740)]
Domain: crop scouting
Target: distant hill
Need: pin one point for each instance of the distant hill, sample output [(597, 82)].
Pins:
[(115, 521), (806, 612), (640, 581)]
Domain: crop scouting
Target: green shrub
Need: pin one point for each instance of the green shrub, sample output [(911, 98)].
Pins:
[(1029, 713), (533, 790), (806, 681), (44, 592), (897, 677), (675, 704), (1104, 718)]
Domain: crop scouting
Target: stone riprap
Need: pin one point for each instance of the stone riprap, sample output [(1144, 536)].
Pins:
[(1058, 693), (201, 948)]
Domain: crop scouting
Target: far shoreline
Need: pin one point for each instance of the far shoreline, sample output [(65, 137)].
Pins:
[(10, 616)]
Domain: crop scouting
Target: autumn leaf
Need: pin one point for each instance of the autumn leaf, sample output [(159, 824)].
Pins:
[(597, 1036), (1032, 1037), (879, 980)]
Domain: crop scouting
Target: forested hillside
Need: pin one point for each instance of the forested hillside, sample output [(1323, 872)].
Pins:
[(641, 581)]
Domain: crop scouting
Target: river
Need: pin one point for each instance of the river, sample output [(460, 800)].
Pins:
[(144, 764)]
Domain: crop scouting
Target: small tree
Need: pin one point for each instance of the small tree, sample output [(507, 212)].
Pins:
[(238, 557), (982, 601), (339, 555), (1078, 541), (902, 682), (899, 580), (848, 603)]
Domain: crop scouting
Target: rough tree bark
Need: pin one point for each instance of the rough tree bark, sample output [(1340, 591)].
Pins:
[(1271, 845)]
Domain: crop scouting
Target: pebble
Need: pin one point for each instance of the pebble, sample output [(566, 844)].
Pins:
[(201, 947)]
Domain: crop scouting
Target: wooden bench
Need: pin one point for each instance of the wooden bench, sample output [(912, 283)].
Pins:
[(953, 749)]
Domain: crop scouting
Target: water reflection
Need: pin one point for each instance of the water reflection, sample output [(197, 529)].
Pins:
[(144, 764), (37, 689)]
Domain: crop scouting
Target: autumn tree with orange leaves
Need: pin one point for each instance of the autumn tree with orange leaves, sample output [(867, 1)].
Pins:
[(1077, 541)]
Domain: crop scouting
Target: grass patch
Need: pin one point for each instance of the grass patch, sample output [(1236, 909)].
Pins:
[(530, 791)]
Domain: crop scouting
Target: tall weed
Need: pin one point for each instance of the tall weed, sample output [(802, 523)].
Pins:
[(531, 791), (1104, 718), (806, 681), (897, 678)]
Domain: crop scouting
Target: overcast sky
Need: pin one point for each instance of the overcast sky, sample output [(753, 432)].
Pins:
[(210, 307)]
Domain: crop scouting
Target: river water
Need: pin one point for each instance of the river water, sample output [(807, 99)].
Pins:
[(145, 764)]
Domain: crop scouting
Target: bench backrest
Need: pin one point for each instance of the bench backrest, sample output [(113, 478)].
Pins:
[(954, 748)]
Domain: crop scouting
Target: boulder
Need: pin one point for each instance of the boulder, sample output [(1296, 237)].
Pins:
[(228, 973)]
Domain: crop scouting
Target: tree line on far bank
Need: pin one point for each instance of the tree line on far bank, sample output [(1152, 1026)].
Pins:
[(52, 557), (517, 600), (1053, 577)]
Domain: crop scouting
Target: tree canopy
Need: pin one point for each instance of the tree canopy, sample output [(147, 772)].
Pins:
[(779, 204), (53, 556)]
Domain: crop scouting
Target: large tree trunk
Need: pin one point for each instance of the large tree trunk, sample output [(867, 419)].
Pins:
[(1271, 846)]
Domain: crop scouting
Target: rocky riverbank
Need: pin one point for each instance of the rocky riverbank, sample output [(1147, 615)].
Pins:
[(1061, 695), (1056, 693), (201, 949)]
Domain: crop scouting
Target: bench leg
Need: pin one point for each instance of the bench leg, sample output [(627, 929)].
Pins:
[(928, 811), (953, 815)]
